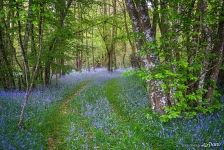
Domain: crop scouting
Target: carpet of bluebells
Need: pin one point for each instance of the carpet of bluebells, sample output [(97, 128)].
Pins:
[(112, 112)]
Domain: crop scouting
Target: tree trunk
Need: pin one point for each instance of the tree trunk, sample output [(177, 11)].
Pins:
[(218, 52), (30, 83), (138, 12), (93, 53)]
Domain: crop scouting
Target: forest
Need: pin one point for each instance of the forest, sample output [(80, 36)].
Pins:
[(111, 74)]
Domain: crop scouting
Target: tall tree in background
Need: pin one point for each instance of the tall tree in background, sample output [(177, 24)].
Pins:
[(6, 71)]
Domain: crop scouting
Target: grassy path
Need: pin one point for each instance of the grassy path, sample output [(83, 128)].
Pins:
[(55, 125), (101, 112), (101, 117), (67, 127), (139, 139)]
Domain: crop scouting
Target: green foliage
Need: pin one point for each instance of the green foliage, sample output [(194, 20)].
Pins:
[(141, 73), (186, 103), (185, 57)]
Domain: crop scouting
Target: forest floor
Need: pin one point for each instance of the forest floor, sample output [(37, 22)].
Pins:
[(99, 110)]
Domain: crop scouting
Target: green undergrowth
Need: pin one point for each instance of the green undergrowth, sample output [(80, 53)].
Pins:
[(114, 114)]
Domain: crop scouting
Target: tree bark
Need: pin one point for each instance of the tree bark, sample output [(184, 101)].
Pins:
[(138, 12), (218, 52), (30, 83)]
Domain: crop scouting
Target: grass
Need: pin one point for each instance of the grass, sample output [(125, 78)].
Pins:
[(54, 126), (128, 121), (109, 112)]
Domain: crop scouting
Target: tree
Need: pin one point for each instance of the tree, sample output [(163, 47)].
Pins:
[(184, 61), (138, 12)]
